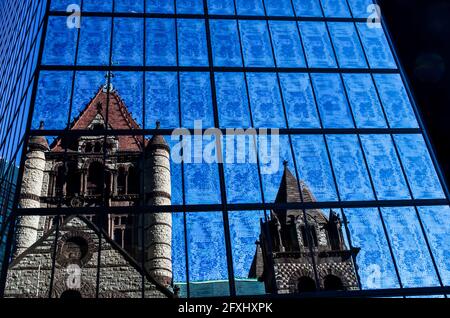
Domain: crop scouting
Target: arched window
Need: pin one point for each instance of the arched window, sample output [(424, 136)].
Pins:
[(95, 179), (331, 282), (133, 181), (98, 147), (88, 148), (60, 179), (312, 239), (306, 284), (73, 180), (121, 181), (98, 126)]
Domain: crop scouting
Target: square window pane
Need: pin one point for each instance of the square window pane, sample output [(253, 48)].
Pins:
[(299, 100), (128, 43), (221, 7), (129, 89), (349, 168), (256, 43), (332, 102), (134, 6), (376, 46), (208, 272), (192, 49), (161, 99), (314, 167), (189, 6), (375, 266), (385, 167), (161, 43), (160, 6), (364, 101), (60, 43), (196, 100), (418, 166), (250, 7), (395, 101), (225, 43), (347, 46), (409, 247), (265, 100), (307, 8), (95, 39), (97, 6), (286, 42), (335, 8), (319, 51), (279, 8), (232, 100)]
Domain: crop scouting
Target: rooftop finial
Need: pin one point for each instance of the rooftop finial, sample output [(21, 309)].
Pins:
[(158, 125), (285, 163), (41, 125)]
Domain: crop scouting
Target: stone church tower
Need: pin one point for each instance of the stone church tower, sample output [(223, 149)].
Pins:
[(287, 247), (73, 172)]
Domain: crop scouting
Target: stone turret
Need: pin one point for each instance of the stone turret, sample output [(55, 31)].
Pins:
[(33, 175), (158, 226)]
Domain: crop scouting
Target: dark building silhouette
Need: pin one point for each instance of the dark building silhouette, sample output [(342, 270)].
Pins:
[(288, 245)]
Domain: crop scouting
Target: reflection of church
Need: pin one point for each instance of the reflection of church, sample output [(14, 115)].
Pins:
[(96, 171), (289, 247)]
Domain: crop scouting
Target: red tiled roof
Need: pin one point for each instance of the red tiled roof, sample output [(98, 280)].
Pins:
[(119, 118)]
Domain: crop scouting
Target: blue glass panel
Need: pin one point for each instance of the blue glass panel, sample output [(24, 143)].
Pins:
[(129, 86), (376, 46), (161, 42), (192, 43), (206, 246), (279, 8), (395, 101), (335, 8), (436, 221), (349, 168), (346, 43), (375, 266), (225, 43), (61, 5), (359, 8), (87, 85), (319, 51), (249, 7), (134, 6), (190, 6), (97, 6), (272, 151), (314, 167), (245, 230), (221, 7), (409, 247), (364, 101), (256, 43), (384, 167), (160, 6), (161, 100), (333, 105), (201, 178), (53, 92), (178, 249), (60, 43), (287, 45), (232, 101), (299, 100), (241, 168), (196, 103), (307, 8), (418, 166), (265, 100), (95, 40), (128, 44), (175, 170)]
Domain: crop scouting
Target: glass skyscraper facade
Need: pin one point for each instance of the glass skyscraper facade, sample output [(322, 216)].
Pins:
[(319, 83)]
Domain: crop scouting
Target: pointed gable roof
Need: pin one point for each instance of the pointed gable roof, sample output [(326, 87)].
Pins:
[(118, 117)]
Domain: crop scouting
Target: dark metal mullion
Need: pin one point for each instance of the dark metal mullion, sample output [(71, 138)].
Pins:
[(21, 167), (226, 223)]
